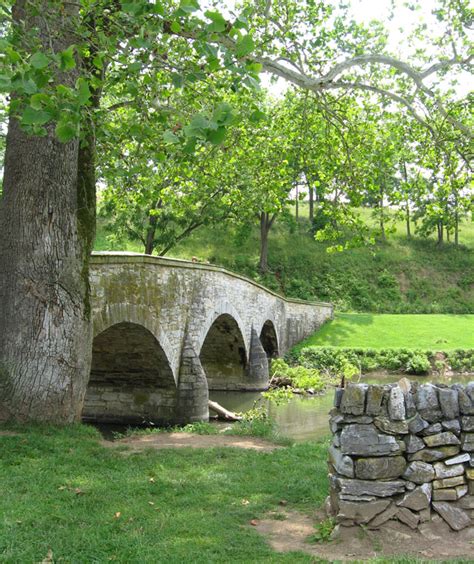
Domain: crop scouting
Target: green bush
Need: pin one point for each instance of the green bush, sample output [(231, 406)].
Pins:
[(335, 360), (418, 364)]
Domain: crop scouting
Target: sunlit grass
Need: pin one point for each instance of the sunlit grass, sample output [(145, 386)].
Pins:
[(62, 491), (428, 332)]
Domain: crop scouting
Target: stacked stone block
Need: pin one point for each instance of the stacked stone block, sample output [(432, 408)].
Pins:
[(403, 451)]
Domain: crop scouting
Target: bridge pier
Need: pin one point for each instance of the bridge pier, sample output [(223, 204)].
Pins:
[(193, 391), (258, 367)]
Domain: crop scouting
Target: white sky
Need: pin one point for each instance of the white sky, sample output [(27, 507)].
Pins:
[(399, 27)]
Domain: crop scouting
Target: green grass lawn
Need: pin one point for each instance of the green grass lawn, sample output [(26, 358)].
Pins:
[(428, 332), (61, 490)]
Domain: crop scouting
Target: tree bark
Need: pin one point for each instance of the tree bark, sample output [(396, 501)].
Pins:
[(266, 222), (407, 219), (45, 329), (311, 203)]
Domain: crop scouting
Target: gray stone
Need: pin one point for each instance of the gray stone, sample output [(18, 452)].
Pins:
[(338, 396), (459, 459), (405, 385), (383, 517), (353, 399), (417, 424), (374, 400), (336, 439), (470, 391), (434, 454), (364, 440), (418, 499), (396, 404), (467, 423), (449, 402), (419, 472), (336, 423), (467, 442), (427, 403), (441, 439), (361, 419), (455, 517), (447, 494), (453, 426), (466, 405), (392, 427), (342, 463), (413, 444), (432, 429), (467, 502), (361, 512), (410, 405), (408, 517), (380, 468), (461, 491), (425, 515), (348, 497), (368, 487), (448, 471), (449, 482), (410, 486)]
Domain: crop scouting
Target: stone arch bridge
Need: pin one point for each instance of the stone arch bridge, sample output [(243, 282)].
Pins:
[(166, 331)]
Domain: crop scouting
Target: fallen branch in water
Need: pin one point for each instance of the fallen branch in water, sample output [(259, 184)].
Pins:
[(222, 412)]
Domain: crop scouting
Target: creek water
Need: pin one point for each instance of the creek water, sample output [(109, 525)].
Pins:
[(306, 417)]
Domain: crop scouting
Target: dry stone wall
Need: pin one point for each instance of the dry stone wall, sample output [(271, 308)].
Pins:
[(403, 451)]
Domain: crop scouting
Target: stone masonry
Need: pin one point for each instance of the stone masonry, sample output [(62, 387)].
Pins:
[(403, 451), (166, 331)]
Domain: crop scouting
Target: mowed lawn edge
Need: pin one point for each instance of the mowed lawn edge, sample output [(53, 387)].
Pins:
[(439, 332)]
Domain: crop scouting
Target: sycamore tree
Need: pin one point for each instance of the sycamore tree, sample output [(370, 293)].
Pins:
[(59, 61)]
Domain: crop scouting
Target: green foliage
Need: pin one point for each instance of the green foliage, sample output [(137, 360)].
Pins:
[(418, 364), (410, 361), (301, 377), (323, 530)]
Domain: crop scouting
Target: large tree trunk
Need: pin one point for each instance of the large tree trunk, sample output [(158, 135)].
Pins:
[(45, 329)]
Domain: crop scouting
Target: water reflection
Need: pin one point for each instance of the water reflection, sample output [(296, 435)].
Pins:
[(306, 418)]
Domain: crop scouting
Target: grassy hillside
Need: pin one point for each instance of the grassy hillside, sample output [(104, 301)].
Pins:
[(430, 332), (400, 276)]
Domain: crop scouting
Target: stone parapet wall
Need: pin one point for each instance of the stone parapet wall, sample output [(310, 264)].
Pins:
[(403, 451)]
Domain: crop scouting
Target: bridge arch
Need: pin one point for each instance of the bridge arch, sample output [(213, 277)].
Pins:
[(137, 314), (131, 377), (223, 354), (269, 339)]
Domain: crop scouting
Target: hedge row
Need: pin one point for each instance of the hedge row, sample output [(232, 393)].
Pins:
[(336, 360)]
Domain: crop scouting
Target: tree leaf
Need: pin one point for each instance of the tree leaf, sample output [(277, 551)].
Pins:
[(35, 117), (66, 59), (217, 136), (39, 60), (83, 92), (245, 45), (170, 137), (65, 131), (218, 21)]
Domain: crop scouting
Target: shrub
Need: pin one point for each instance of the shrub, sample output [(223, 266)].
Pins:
[(418, 364)]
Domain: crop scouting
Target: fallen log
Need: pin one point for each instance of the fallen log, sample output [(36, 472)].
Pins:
[(222, 412)]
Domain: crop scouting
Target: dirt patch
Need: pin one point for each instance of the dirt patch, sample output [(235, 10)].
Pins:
[(9, 434), (288, 531), (180, 440)]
